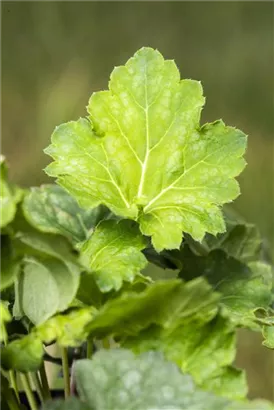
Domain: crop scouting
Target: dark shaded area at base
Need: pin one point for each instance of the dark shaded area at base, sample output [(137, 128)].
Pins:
[(55, 394)]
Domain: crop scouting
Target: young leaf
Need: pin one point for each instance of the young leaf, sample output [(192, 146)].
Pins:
[(143, 154), (243, 287), (51, 209), (26, 354), (5, 317), (166, 303), (113, 253), (46, 287), (10, 195), (118, 380), (10, 265), (67, 330), (203, 350)]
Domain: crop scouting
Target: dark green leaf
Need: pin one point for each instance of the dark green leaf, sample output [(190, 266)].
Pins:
[(51, 209), (10, 265), (243, 287)]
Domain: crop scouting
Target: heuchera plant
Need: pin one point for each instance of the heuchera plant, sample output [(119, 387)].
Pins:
[(139, 183)]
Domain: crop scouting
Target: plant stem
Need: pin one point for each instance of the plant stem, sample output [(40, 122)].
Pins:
[(38, 385), (106, 343), (65, 366), (44, 382), (13, 383), (11, 400), (29, 393), (89, 348)]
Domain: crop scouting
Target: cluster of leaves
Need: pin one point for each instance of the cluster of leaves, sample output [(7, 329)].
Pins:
[(140, 183)]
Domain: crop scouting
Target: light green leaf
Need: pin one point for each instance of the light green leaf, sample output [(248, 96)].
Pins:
[(243, 287), (5, 317), (46, 287), (113, 253), (67, 330), (51, 209), (10, 195), (118, 380), (268, 334), (10, 265), (143, 154), (70, 329), (203, 350), (23, 355), (166, 303)]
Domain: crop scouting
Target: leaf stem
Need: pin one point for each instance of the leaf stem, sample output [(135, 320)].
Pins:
[(38, 385), (11, 400), (65, 366), (44, 382), (89, 348), (13, 383), (28, 391)]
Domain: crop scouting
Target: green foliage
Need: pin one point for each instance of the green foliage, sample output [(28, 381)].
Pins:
[(10, 265), (51, 209), (204, 349), (151, 182), (24, 355), (114, 247), (5, 317), (46, 287), (10, 195), (72, 404), (119, 380), (147, 121), (243, 287), (166, 303)]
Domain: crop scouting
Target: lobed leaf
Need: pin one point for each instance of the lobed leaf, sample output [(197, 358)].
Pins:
[(143, 154), (113, 253)]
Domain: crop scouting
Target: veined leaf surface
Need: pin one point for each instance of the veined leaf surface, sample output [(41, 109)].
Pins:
[(143, 154)]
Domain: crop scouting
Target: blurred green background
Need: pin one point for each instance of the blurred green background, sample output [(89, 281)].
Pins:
[(55, 54)]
